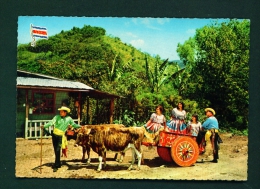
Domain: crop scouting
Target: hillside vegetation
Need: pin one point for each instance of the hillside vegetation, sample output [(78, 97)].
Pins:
[(213, 72)]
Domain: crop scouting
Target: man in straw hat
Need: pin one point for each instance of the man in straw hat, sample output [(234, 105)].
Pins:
[(210, 126), (61, 123)]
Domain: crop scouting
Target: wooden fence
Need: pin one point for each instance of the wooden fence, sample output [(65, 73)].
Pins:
[(33, 130)]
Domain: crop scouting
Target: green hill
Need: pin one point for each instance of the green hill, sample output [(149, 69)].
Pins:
[(105, 63), (84, 54)]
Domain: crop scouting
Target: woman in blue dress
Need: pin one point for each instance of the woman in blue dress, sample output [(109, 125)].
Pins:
[(177, 121)]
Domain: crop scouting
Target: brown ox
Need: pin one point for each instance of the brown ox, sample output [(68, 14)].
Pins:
[(151, 139), (85, 146), (118, 139)]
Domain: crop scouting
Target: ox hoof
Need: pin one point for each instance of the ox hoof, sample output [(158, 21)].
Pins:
[(98, 171), (119, 161)]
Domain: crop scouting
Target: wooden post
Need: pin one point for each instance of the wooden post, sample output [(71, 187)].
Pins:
[(79, 108), (41, 132), (26, 114), (87, 116), (97, 111), (112, 105)]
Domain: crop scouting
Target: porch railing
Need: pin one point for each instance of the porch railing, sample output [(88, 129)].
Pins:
[(33, 130)]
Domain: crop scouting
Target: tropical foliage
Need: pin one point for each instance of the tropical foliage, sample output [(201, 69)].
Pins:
[(213, 71), (219, 70)]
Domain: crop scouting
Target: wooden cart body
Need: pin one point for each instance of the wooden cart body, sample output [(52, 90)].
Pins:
[(178, 147)]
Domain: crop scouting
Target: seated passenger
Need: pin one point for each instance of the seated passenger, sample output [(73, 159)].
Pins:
[(157, 120), (194, 126), (177, 122)]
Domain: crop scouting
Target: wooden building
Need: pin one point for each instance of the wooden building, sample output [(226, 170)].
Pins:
[(39, 97)]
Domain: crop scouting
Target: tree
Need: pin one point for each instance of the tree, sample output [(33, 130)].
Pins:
[(161, 73), (187, 51), (219, 76)]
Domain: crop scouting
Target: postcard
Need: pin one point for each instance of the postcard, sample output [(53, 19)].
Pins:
[(132, 98)]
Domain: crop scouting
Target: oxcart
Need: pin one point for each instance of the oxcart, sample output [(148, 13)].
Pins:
[(179, 147)]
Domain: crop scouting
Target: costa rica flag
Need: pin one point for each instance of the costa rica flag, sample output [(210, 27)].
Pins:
[(38, 31)]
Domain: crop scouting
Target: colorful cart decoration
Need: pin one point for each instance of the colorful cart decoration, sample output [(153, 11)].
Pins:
[(177, 147)]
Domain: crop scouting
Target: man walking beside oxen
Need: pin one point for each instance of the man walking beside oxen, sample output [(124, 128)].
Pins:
[(61, 123), (210, 127)]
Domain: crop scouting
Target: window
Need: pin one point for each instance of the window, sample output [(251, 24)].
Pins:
[(43, 102)]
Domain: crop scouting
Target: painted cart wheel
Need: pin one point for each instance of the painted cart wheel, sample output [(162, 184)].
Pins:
[(164, 153), (184, 151)]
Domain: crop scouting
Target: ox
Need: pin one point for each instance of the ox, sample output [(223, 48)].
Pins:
[(119, 139), (151, 139), (85, 146)]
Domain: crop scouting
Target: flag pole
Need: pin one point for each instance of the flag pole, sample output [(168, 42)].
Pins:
[(33, 43)]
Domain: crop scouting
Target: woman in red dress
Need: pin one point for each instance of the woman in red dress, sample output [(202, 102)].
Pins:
[(157, 120)]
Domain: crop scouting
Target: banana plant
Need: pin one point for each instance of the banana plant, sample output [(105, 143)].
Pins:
[(162, 74)]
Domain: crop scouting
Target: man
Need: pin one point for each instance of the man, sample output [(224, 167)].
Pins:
[(61, 124), (210, 126)]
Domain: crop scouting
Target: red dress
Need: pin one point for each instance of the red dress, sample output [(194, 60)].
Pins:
[(155, 122)]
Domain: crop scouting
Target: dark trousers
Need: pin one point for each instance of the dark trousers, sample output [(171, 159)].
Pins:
[(200, 137), (57, 141), (215, 142), (215, 148)]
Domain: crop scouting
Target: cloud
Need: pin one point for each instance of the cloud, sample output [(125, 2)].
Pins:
[(162, 21), (130, 34), (146, 21), (137, 42), (135, 21), (191, 31), (149, 22), (127, 24)]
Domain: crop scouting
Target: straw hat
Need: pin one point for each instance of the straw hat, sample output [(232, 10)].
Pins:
[(64, 108), (211, 110)]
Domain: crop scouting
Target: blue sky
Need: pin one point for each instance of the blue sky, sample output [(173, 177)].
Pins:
[(152, 35)]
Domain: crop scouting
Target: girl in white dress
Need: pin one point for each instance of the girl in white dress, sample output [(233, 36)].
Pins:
[(194, 126)]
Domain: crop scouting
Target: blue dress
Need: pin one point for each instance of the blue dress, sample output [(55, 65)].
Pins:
[(177, 123)]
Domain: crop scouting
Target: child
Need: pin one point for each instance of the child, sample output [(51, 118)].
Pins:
[(194, 125)]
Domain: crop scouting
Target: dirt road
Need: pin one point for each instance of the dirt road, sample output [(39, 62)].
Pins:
[(232, 164)]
